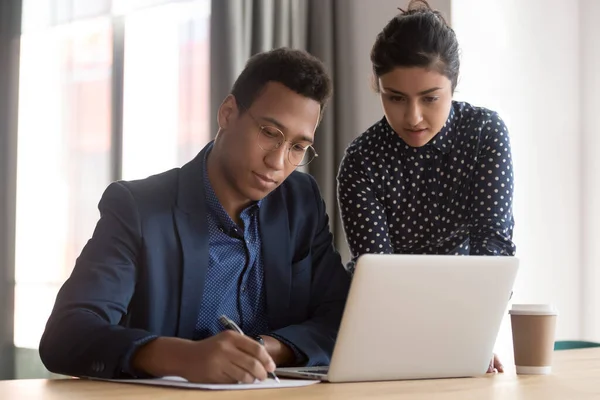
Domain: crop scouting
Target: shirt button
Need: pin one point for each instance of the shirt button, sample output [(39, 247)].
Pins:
[(243, 288)]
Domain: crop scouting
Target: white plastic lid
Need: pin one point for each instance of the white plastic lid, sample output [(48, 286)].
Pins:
[(533, 309)]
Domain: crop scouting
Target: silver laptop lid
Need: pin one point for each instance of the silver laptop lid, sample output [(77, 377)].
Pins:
[(422, 316)]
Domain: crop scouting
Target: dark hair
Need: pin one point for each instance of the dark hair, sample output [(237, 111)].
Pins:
[(296, 69), (417, 37)]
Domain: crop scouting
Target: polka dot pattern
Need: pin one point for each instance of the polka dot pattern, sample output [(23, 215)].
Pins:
[(452, 196)]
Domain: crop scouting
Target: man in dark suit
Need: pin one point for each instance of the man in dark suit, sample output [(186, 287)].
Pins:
[(236, 231)]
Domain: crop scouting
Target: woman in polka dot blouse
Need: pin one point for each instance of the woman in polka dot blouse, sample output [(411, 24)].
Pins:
[(433, 176)]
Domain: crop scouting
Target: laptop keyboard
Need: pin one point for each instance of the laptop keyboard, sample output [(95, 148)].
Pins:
[(315, 370)]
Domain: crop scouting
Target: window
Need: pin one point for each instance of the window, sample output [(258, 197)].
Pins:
[(66, 141), (167, 91)]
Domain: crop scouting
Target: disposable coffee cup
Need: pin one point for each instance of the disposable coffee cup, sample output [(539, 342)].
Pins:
[(533, 330)]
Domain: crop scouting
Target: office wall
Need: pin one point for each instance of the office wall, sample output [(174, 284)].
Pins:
[(589, 12), (536, 63)]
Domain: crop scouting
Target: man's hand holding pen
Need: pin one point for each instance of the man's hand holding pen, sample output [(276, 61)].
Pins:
[(227, 357)]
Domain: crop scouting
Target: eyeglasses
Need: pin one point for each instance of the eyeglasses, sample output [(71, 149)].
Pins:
[(270, 138)]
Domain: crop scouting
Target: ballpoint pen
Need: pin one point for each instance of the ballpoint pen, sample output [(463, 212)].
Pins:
[(229, 324)]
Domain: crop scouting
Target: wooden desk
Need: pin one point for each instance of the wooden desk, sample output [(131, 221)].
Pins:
[(576, 376)]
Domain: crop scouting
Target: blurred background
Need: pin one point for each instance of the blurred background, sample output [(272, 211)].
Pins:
[(93, 91)]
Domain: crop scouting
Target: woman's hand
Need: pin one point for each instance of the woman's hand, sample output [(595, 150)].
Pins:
[(495, 365)]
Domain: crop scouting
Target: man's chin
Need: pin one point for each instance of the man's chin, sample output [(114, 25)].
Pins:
[(256, 194)]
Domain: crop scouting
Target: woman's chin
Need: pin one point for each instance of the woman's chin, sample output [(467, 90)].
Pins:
[(415, 141)]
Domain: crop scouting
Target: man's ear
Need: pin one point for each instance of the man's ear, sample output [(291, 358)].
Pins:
[(228, 112)]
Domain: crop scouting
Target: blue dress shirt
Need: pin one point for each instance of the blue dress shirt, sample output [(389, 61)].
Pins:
[(234, 279), (234, 283)]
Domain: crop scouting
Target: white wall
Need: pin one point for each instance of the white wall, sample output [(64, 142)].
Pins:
[(521, 58), (590, 107)]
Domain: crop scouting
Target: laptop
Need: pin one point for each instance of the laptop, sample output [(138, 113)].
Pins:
[(418, 317)]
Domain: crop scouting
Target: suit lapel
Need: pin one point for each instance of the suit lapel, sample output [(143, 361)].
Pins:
[(274, 231), (193, 235), (190, 219)]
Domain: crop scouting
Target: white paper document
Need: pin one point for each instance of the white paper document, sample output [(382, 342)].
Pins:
[(175, 381)]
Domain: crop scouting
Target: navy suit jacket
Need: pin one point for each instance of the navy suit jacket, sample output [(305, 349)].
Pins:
[(143, 272)]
